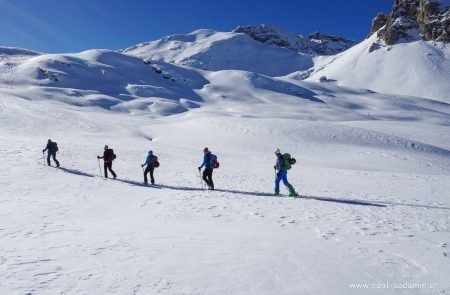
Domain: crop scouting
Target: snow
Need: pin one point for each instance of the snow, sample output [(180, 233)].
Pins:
[(418, 68), (206, 49), (411, 68), (372, 173)]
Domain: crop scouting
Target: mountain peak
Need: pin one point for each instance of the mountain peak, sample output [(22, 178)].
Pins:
[(412, 20)]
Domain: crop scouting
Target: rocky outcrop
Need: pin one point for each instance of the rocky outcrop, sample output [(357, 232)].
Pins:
[(316, 43), (329, 44), (412, 20), (378, 22), (272, 35)]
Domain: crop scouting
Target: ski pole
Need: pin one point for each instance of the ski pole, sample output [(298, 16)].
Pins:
[(99, 167), (201, 180)]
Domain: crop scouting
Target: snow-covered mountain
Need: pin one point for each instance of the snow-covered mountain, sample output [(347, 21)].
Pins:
[(413, 20), (419, 68), (246, 48), (214, 51), (406, 53)]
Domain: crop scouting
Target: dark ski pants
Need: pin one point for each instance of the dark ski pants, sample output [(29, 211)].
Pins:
[(147, 170), (207, 177), (108, 166), (53, 155)]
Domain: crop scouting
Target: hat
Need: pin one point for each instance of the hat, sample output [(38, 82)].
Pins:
[(205, 150), (150, 152), (106, 147), (277, 152)]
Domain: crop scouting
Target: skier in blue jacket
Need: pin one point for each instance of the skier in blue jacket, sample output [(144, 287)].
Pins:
[(207, 173), (282, 175)]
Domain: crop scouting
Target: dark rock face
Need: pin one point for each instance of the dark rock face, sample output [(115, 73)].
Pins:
[(414, 20), (264, 34), (378, 22), (316, 43), (329, 44), (273, 35)]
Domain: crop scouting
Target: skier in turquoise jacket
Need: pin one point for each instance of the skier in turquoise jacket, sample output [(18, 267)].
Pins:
[(150, 161)]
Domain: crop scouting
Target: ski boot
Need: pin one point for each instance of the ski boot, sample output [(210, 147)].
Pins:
[(292, 193)]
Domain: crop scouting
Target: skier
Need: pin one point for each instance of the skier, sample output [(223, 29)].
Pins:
[(52, 148), (152, 163), (108, 157), (208, 164), (283, 164)]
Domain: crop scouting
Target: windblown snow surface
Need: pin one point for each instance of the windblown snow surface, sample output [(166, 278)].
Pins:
[(420, 68), (372, 173)]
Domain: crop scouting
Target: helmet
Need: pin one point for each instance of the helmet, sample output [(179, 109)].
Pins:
[(205, 150), (106, 147), (277, 152), (150, 152)]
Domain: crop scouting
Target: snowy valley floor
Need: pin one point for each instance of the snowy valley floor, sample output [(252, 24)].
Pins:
[(374, 205)]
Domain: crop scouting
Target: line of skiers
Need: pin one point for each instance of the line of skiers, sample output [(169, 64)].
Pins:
[(283, 163)]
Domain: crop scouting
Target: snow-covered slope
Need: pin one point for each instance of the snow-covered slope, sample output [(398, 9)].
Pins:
[(210, 50), (104, 78), (418, 68), (373, 208), (372, 173)]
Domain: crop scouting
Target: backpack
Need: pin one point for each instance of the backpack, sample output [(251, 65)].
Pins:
[(288, 161), (113, 156), (55, 146), (154, 162), (213, 161)]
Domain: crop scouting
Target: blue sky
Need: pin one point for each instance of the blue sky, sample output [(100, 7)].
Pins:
[(75, 25)]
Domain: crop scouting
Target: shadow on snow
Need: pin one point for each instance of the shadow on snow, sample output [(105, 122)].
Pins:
[(380, 204), (342, 201), (75, 172)]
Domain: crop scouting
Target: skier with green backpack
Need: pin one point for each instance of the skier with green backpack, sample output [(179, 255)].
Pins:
[(283, 164)]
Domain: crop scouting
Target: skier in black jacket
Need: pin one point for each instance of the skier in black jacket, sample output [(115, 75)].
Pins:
[(52, 148), (108, 157)]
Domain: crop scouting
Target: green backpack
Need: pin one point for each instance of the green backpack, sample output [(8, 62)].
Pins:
[(288, 161)]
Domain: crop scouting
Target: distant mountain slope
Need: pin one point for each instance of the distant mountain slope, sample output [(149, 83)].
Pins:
[(407, 53), (214, 51), (103, 78), (419, 68)]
